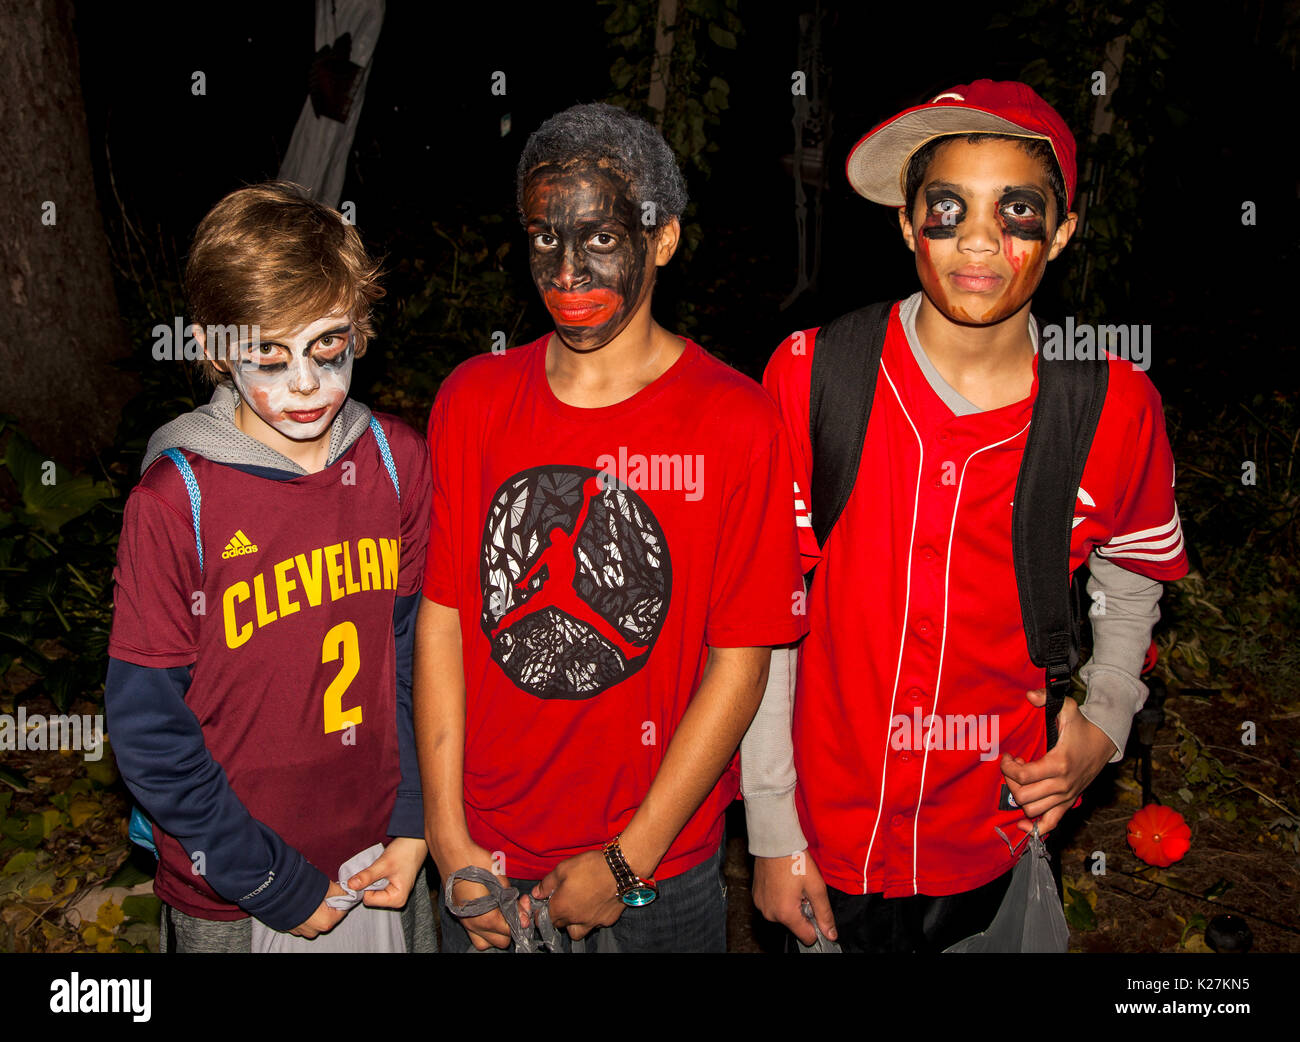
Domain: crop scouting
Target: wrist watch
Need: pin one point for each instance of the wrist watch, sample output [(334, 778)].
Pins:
[(632, 890)]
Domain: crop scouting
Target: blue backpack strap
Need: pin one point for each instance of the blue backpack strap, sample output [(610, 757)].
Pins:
[(192, 487), (386, 453), (141, 831)]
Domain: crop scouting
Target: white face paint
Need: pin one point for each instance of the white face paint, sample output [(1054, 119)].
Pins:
[(297, 384)]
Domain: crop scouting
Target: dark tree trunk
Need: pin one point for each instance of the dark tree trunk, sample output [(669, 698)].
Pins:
[(59, 323)]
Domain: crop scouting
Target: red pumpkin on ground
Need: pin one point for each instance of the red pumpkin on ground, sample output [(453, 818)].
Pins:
[(1159, 835)]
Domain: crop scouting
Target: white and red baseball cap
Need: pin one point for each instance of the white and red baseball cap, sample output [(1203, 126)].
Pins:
[(878, 163)]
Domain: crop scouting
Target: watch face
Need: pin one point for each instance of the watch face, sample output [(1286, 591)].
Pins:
[(639, 895)]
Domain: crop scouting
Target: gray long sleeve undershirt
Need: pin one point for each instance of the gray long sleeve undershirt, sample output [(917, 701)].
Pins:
[(1121, 636)]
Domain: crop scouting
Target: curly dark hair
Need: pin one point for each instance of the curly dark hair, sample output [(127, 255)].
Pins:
[(1039, 148), (600, 133)]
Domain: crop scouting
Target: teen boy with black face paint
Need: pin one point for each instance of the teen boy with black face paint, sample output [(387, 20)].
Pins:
[(593, 640), (914, 615)]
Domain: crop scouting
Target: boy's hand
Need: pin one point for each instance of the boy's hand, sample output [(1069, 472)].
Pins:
[(779, 894), (489, 930), (583, 894), (325, 918), (1047, 788), (401, 862)]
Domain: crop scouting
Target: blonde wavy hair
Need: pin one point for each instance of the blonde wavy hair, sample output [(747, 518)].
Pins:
[(269, 255)]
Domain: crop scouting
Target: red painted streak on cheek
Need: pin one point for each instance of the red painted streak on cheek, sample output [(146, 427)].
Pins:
[(1023, 267), (925, 267), (1016, 260), (261, 400)]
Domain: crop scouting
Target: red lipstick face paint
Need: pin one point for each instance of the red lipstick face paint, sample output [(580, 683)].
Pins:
[(981, 223), (588, 253), (582, 309)]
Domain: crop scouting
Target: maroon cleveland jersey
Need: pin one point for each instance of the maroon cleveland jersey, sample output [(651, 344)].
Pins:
[(289, 632)]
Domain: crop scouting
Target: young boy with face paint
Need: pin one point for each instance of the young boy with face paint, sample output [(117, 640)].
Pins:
[(594, 639), (258, 689), (874, 798)]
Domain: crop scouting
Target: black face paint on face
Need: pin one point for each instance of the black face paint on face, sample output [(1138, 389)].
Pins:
[(944, 210), (588, 253), (259, 358), (1022, 212)]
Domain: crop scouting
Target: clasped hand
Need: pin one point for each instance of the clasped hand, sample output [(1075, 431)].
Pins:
[(582, 894), (1046, 788)]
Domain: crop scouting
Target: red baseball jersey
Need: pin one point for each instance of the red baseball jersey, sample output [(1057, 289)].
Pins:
[(289, 630), (913, 677), (593, 555)]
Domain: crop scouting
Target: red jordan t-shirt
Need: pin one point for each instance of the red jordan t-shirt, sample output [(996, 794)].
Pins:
[(594, 555), (289, 630)]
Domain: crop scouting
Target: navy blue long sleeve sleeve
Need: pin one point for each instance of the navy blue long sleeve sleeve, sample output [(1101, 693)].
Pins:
[(160, 751), (408, 810)]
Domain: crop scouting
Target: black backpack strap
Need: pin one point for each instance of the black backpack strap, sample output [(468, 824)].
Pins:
[(1070, 398), (846, 359)]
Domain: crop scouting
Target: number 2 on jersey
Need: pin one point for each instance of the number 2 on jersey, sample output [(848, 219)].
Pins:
[(341, 640)]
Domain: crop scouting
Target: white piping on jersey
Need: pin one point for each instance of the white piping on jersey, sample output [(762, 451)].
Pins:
[(802, 518), (907, 602), (1083, 498), (1140, 546), (943, 642)]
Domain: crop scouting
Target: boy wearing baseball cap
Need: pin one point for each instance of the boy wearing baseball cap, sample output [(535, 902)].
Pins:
[(878, 797)]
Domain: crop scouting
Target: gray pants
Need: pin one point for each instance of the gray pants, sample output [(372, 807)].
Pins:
[(178, 932)]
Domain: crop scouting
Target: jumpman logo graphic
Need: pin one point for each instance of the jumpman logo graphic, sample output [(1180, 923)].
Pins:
[(558, 591)]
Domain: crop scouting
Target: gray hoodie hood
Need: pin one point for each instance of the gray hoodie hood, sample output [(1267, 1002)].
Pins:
[(210, 431)]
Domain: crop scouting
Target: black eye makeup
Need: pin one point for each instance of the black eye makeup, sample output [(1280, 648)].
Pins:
[(944, 210), (338, 341), (330, 350), (335, 361), (264, 356), (1022, 213)]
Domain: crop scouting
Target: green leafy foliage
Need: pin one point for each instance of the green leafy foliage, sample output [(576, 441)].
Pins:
[(1234, 618), (1195, 924), (145, 907), (63, 858), (450, 296), (57, 547), (51, 495), (702, 38), (56, 558), (1079, 908), (1078, 35)]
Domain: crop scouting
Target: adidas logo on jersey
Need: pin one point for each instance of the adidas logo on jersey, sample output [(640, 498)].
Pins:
[(239, 545)]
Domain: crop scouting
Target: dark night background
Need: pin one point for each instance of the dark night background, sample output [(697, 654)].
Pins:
[(1203, 122), (428, 146)]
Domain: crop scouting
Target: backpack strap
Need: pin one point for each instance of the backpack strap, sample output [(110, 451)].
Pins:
[(846, 360), (140, 831), (192, 487), (1064, 419), (386, 454), (845, 364)]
